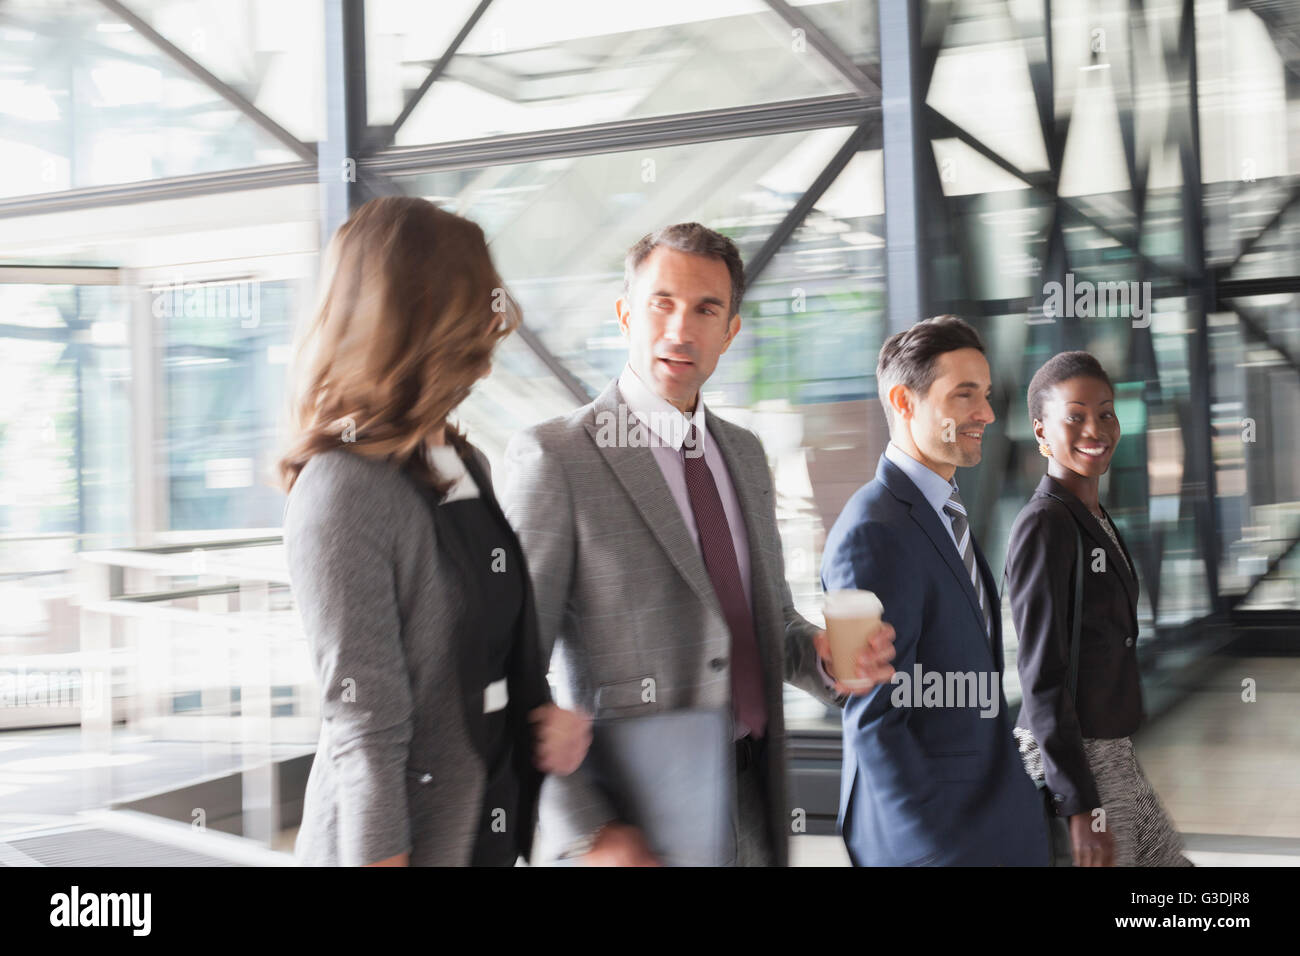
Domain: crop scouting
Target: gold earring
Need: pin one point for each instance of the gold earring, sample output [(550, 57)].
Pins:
[(1044, 450)]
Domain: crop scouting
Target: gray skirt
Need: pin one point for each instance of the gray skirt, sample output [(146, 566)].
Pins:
[(1144, 834)]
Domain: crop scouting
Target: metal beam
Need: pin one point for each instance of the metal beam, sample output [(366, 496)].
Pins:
[(903, 139), (826, 47), (209, 79), (174, 187), (60, 275), (856, 142), (1201, 438), (1254, 240), (680, 129), (1226, 289), (345, 113), (389, 133), (557, 368), (941, 126), (1045, 183), (1260, 332), (1237, 600)]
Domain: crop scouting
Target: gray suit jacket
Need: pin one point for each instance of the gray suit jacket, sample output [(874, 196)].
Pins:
[(398, 766), (622, 594)]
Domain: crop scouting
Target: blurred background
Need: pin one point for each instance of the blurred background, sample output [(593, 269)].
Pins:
[(172, 169)]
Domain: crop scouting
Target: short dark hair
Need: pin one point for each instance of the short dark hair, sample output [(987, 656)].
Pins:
[(1061, 368), (696, 239), (910, 357)]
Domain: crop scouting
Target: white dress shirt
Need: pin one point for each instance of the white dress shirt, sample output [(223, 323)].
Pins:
[(447, 465)]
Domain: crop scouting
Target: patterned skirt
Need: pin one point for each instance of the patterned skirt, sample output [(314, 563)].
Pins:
[(1144, 834)]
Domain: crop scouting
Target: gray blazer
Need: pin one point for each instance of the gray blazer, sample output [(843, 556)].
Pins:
[(397, 767), (622, 594)]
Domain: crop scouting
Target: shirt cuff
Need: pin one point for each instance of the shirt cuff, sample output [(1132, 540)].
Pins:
[(826, 678)]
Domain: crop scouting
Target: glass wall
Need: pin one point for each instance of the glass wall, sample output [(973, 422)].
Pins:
[(166, 198), (1090, 172), (88, 99), (65, 452), (225, 349)]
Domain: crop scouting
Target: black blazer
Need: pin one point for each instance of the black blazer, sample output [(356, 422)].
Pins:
[(1040, 579), (525, 676)]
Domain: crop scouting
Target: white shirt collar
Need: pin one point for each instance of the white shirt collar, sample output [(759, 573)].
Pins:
[(664, 420), (448, 466)]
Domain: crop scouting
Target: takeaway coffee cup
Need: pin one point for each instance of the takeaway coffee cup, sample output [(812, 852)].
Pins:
[(852, 616)]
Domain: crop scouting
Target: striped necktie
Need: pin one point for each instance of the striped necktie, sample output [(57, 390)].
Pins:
[(966, 546)]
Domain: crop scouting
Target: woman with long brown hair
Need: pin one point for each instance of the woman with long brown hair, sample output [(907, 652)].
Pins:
[(436, 719)]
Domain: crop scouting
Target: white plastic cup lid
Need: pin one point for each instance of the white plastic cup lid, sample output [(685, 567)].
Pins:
[(853, 603)]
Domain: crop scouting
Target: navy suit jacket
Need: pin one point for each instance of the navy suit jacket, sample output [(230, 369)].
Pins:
[(927, 785)]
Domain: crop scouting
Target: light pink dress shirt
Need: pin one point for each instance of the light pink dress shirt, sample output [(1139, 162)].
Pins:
[(669, 428)]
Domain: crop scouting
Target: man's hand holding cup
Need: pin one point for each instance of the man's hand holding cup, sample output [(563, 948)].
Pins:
[(857, 645)]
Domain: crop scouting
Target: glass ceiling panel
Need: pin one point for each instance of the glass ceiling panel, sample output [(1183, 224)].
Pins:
[(559, 229), (852, 25), (1276, 252), (404, 41), (86, 101), (524, 68), (1094, 167), (981, 83), (272, 53), (815, 316)]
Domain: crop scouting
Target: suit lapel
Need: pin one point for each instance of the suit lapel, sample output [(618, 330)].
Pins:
[(1083, 517), (449, 541), (525, 674), (924, 515), (639, 474)]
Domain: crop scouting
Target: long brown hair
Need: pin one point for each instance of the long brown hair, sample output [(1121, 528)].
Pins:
[(410, 312)]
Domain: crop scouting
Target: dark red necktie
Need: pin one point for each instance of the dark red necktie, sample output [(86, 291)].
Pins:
[(720, 559)]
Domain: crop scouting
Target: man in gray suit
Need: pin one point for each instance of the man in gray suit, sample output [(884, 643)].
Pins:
[(649, 527)]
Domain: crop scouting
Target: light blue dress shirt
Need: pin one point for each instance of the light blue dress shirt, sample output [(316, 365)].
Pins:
[(936, 489)]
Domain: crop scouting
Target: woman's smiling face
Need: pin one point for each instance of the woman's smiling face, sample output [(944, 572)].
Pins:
[(1080, 425)]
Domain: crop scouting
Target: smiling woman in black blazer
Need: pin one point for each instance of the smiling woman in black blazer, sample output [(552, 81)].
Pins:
[(1081, 742)]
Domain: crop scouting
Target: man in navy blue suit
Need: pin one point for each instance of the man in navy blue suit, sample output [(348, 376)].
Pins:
[(931, 773)]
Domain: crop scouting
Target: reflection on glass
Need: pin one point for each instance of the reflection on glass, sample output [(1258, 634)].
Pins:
[(559, 229), (404, 41), (1257, 459), (984, 62), (802, 376), (524, 68), (227, 348), (65, 448), (273, 54), (852, 25), (1248, 159), (520, 389), (87, 101), (801, 373)]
